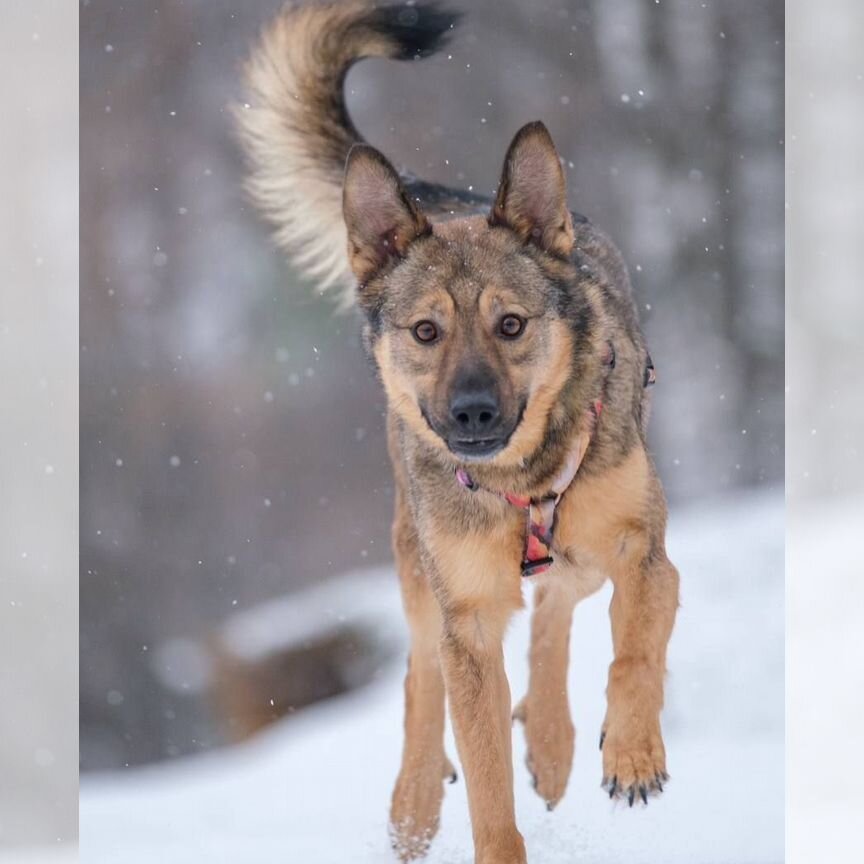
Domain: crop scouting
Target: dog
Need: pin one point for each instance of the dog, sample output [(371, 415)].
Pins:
[(507, 340)]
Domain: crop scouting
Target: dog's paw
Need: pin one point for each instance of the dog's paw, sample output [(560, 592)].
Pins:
[(550, 738), (634, 762), (416, 807), (410, 841)]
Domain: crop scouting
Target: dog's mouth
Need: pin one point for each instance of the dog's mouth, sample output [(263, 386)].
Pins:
[(474, 449), (471, 449)]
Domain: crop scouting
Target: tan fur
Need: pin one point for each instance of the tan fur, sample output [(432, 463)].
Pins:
[(402, 400), (416, 801), (606, 527), (479, 586), (297, 138), (541, 401), (544, 711), (458, 551), (605, 530)]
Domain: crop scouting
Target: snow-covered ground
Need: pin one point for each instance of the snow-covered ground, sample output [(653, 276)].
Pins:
[(315, 789), (62, 853), (825, 684)]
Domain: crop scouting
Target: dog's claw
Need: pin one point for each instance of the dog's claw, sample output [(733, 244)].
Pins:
[(449, 775), (602, 739), (640, 789), (519, 712), (550, 806)]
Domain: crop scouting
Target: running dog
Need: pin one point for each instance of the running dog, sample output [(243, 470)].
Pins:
[(506, 337)]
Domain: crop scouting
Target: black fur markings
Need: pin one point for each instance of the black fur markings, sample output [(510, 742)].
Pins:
[(419, 30), (443, 198)]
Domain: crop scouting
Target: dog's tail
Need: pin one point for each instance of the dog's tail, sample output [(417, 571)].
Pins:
[(295, 126)]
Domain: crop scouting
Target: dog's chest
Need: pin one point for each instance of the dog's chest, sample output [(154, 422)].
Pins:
[(601, 521)]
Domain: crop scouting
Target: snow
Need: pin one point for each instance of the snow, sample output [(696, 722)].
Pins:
[(287, 624), (825, 687), (62, 853), (290, 621), (315, 788)]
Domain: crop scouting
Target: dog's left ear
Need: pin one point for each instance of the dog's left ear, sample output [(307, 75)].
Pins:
[(532, 195)]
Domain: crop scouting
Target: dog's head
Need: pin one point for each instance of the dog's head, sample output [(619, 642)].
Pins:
[(474, 325)]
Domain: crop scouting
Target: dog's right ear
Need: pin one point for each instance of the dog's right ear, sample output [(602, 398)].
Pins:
[(381, 219)]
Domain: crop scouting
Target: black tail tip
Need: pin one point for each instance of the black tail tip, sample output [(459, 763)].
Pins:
[(419, 29)]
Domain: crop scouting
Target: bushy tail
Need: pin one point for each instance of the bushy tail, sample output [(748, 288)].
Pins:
[(295, 126)]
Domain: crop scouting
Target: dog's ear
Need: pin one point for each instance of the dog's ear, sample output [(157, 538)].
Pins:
[(381, 219), (532, 196)]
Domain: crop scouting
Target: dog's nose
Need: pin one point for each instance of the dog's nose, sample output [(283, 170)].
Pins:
[(474, 411)]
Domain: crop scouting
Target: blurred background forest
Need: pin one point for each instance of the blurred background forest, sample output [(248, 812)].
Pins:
[(232, 447)]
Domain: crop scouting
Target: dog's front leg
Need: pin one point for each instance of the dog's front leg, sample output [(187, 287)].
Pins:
[(643, 608), (545, 711), (479, 697), (416, 802)]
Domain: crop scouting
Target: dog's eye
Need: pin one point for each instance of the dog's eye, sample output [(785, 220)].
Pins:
[(425, 332), (511, 326)]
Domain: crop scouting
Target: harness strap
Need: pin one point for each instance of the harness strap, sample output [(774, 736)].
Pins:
[(540, 522)]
